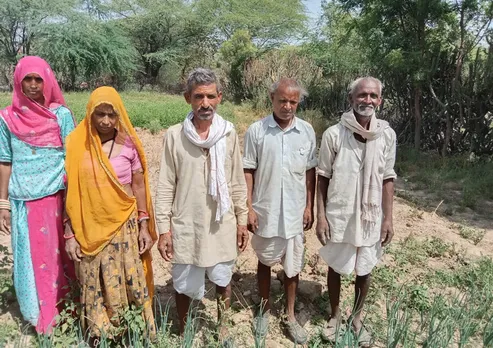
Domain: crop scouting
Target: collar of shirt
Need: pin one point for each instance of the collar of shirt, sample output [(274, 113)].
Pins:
[(273, 124)]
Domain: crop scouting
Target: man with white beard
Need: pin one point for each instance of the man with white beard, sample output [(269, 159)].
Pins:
[(354, 200)]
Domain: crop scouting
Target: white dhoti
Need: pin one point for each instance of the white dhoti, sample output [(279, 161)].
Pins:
[(289, 252), (190, 280), (345, 258)]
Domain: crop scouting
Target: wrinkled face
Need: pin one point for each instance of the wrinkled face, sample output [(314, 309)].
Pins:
[(204, 100), (285, 101), (365, 98), (32, 87), (104, 118)]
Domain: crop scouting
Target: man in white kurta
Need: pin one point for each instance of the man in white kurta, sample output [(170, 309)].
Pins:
[(354, 199), (201, 210), (279, 163)]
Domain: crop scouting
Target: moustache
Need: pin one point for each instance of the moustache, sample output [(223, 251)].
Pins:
[(206, 109)]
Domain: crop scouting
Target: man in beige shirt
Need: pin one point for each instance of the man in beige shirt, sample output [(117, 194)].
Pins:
[(354, 199), (279, 163), (201, 209)]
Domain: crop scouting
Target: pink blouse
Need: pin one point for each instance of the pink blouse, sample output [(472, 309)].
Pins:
[(126, 163)]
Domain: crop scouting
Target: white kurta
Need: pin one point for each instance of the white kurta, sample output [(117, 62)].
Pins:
[(341, 159), (280, 159), (184, 206)]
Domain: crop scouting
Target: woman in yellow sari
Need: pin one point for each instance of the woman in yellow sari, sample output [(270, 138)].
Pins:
[(109, 223)]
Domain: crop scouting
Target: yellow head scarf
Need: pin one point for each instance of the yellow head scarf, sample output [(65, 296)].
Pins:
[(97, 203)]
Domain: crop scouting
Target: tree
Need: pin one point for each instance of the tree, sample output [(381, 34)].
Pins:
[(20, 22), (164, 32), (85, 48), (270, 23), (235, 52)]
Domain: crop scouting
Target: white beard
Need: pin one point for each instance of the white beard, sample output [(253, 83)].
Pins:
[(364, 110)]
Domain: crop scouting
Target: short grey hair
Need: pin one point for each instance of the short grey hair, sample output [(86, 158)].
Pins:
[(291, 84), (202, 76), (355, 83)]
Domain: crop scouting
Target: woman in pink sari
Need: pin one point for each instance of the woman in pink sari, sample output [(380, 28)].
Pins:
[(32, 175)]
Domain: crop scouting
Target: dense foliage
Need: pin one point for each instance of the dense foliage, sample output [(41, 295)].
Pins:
[(434, 56)]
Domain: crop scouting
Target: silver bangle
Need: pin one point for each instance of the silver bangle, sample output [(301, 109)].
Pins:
[(143, 218)]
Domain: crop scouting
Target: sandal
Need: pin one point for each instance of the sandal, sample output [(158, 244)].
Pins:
[(364, 337), (296, 332), (332, 332)]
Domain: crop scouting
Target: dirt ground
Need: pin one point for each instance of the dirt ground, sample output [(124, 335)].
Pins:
[(407, 221)]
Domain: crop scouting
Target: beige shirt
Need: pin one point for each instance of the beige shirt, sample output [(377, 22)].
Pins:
[(280, 159), (184, 206), (341, 159)]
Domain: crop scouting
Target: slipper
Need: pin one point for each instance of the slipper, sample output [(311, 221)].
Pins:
[(364, 337), (296, 332), (333, 333)]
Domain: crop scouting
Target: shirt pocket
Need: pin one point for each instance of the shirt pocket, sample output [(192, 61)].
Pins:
[(298, 159)]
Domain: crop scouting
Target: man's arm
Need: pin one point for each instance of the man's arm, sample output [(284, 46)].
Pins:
[(249, 178), (249, 167), (326, 158), (388, 198), (310, 180), (323, 229), (322, 187), (310, 198), (165, 195), (387, 205), (389, 175), (252, 216), (239, 196), (239, 190)]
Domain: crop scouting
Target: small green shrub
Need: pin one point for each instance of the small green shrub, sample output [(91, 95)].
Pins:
[(473, 234)]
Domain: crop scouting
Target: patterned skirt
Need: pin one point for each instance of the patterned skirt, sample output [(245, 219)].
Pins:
[(111, 282)]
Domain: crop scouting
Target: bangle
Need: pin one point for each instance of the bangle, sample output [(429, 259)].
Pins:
[(143, 219), (5, 204), (66, 220), (70, 236), (142, 214)]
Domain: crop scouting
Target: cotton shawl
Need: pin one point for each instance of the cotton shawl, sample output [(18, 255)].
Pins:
[(97, 203), (372, 186), (216, 143), (29, 121)]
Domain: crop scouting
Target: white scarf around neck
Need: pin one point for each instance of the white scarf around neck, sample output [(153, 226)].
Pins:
[(216, 143), (372, 183)]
